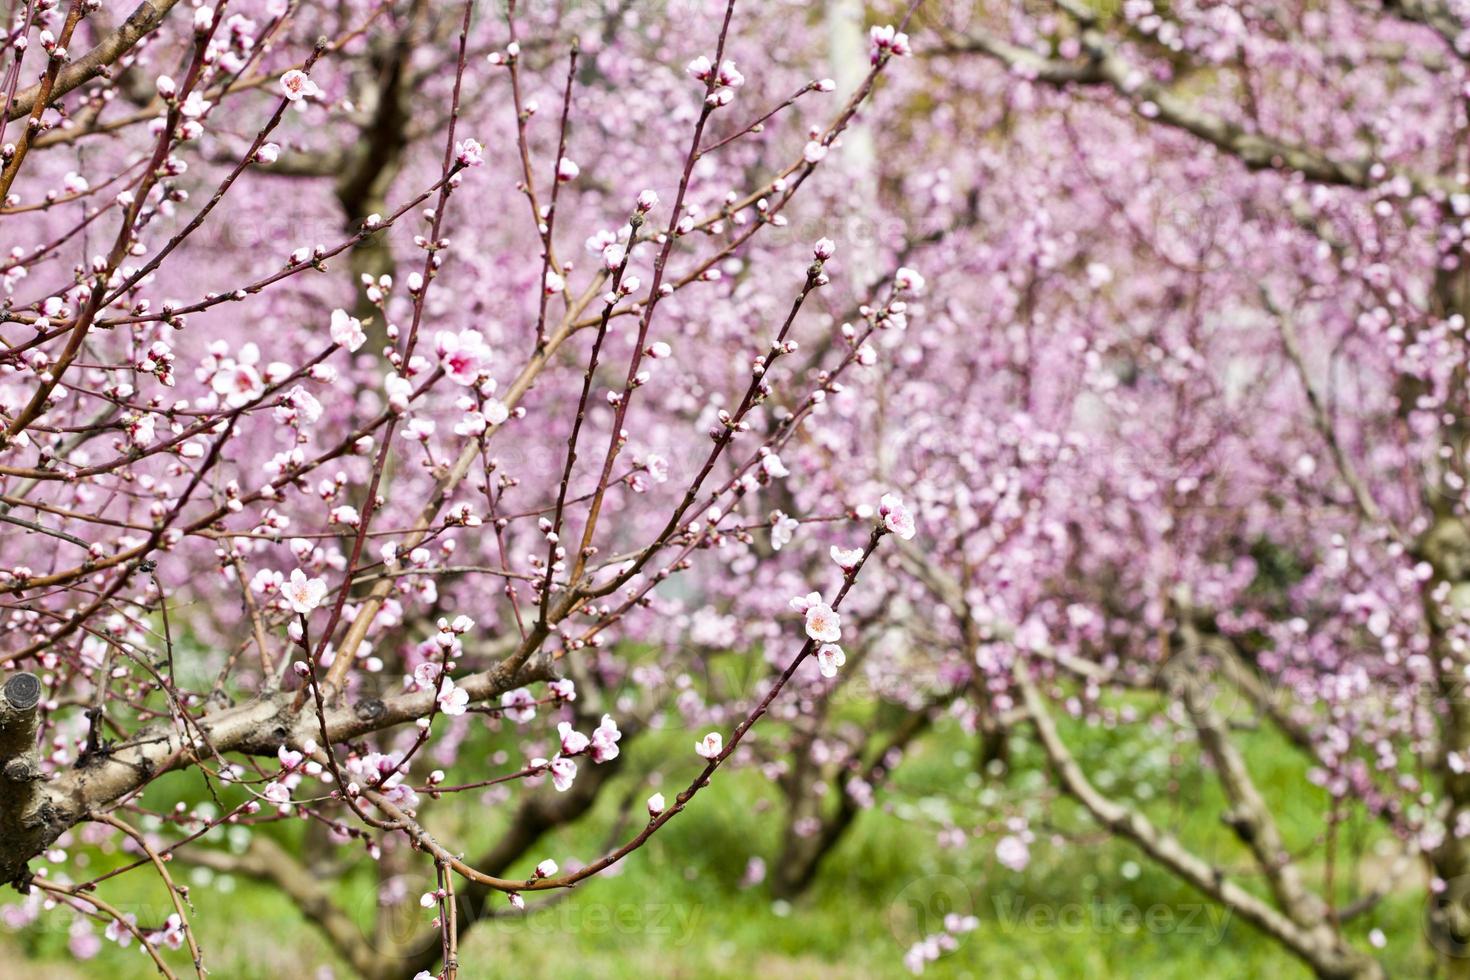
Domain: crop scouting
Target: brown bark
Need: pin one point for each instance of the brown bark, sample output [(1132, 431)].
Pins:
[(144, 19), (258, 727)]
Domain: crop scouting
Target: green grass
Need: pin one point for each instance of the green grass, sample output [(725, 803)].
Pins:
[(1084, 907)]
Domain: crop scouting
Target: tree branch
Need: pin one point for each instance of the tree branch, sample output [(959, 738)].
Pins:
[(144, 19), (259, 727), (1103, 66), (1328, 959)]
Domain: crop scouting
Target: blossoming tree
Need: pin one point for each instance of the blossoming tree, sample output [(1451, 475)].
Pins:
[(309, 457), (379, 374), (1191, 420)]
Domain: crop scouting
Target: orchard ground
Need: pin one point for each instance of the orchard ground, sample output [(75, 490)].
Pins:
[(683, 906)]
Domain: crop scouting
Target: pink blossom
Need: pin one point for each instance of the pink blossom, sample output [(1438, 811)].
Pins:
[(399, 390), (194, 106), (238, 382), (298, 85), (426, 675), (120, 933), (464, 355), (730, 75), (82, 940), (469, 153), (605, 739), (452, 700), (573, 742), (782, 529), (298, 406), (172, 933), (563, 773), (823, 624), (303, 594), (896, 517), (802, 603), (600, 242), (267, 581), (519, 705), (347, 330), (710, 746), (887, 39), (829, 658), (907, 279), (472, 423), (1012, 852)]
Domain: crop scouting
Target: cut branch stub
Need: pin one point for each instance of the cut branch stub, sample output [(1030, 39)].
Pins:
[(18, 716), (23, 691)]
